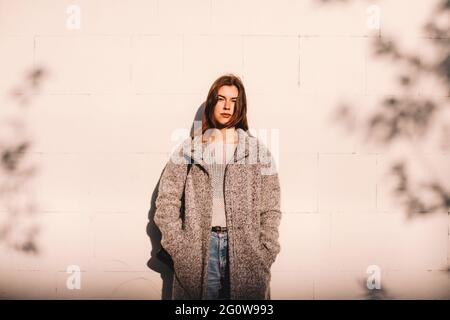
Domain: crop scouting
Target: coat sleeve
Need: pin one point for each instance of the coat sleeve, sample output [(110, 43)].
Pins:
[(270, 214), (168, 204)]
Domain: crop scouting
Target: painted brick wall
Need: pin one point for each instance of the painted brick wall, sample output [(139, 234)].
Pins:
[(112, 92)]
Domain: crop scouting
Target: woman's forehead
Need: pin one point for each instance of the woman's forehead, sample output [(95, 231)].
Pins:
[(228, 91)]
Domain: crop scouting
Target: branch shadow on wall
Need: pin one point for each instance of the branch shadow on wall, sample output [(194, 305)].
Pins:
[(160, 261), (408, 118), (373, 294), (19, 229), (412, 120)]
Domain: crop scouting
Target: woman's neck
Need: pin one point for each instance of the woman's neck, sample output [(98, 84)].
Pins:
[(226, 135)]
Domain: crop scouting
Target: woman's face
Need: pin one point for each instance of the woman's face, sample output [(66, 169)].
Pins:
[(226, 100)]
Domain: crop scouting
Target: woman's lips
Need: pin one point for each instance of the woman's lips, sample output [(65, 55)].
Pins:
[(225, 115)]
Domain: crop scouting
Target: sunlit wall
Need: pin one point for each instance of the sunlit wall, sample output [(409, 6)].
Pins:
[(354, 96)]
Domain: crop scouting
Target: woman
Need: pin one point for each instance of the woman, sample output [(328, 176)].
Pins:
[(218, 204)]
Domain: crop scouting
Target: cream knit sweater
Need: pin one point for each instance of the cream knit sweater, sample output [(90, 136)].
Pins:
[(217, 155)]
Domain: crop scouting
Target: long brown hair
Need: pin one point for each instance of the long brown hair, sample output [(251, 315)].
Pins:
[(239, 117)]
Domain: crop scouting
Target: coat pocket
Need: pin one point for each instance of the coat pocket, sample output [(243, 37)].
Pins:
[(264, 257), (178, 245)]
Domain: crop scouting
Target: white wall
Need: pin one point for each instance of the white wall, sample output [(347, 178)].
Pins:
[(136, 71)]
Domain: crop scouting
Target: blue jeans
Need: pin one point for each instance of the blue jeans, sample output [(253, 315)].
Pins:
[(218, 268)]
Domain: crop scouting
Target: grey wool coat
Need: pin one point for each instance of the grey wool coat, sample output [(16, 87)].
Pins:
[(252, 209)]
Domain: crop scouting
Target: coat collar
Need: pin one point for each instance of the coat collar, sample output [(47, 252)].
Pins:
[(193, 148)]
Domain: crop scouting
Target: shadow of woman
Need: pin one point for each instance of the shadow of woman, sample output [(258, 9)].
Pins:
[(159, 260)]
